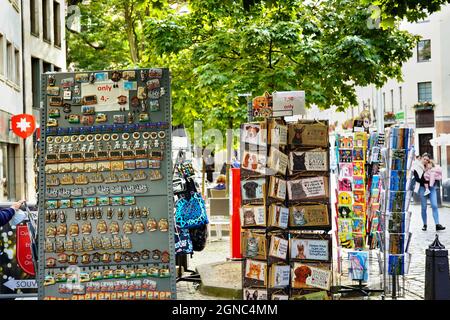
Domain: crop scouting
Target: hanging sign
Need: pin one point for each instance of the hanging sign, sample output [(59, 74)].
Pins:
[(23, 250), (23, 125), (288, 103)]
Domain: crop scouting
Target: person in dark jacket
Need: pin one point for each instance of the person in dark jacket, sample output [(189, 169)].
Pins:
[(419, 171), (7, 214)]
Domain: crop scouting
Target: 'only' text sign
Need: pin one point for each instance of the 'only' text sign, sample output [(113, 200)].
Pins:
[(288, 103)]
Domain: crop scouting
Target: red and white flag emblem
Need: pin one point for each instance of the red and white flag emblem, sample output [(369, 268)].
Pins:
[(23, 125)]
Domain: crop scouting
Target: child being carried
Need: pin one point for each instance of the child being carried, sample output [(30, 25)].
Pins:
[(431, 175)]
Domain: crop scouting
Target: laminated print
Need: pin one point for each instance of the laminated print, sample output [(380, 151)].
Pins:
[(359, 240), (359, 210), (396, 243), (253, 189), (358, 225), (253, 216), (288, 103), (309, 249), (397, 201), (358, 168), (345, 142), (345, 170), (358, 265), (345, 212), (346, 240), (359, 196), (396, 264), (358, 183), (278, 161), (277, 188), (345, 184), (262, 106), (277, 133), (345, 198), (398, 180), (308, 134), (255, 272), (254, 244), (345, 225), (254, 161), (308, 188), (309, 216), (314, 160), (254, 294), (397, 222), (254, 133), (279, 276), (359, 154), (278, 247), (345, 156), (310, 276), (278, 216)]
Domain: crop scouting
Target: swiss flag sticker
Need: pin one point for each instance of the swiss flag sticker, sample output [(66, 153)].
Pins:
[(23, 125)]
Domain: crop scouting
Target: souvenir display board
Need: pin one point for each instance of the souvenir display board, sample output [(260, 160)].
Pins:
[(105, 189), (285, 217), (400, 153)]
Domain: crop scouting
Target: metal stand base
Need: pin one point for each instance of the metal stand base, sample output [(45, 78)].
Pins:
[(182, 265), (360, 288)]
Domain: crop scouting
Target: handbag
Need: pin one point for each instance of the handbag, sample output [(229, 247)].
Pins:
[(198, 237), (191, 213), (183, 243)]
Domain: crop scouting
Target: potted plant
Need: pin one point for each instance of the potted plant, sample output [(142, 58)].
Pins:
[(424, 105)]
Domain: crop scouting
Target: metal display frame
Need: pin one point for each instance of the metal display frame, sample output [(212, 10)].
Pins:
[(154, 201)]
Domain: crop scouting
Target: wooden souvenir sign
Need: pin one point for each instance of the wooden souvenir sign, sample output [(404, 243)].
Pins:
[(308, 188), (254, 244), (277, 188), (278, 216), (255, 294), (254, 161), (315, 215), (279, 276), (310, 276), (278, 247), (314, 134), (310, 249), (277, 133), (254, 133), (253, 189), (288, 103), (262, 106), (314, 160), (253, 216), (278, 161), (255, 272)]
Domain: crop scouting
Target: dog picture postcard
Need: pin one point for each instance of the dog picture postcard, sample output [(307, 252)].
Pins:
[(254, 133)]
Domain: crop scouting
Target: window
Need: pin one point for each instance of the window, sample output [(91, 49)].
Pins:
[(424, 118), (56, 69), (34, 17), (400, 97), (424, 50), (9, 60), (47, 67), (392, 100), (46, 20), (35, 80), (424, 91), (2, 56), (56, 24), (7, 172), (16, 66)]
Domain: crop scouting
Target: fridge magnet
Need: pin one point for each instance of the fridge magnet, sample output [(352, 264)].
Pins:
[(253, 189), (308, 188), (314, 160), (309, 249), (256, 271), (278, 247), (277, 188), (279, 276), (309, 276), (278, 216), (315, 215), (254, 133)]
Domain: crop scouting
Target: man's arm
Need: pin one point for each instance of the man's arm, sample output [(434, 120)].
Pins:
[(6, 215)]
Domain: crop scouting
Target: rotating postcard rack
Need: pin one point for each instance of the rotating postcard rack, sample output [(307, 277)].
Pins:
[(357, 207), (399, 155), (285, 210), (105, 187)]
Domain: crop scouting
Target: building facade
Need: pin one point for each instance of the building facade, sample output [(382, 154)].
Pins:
[(422, 99), (32, 41)]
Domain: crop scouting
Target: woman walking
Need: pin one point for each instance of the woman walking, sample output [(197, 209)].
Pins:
[(419, 172)]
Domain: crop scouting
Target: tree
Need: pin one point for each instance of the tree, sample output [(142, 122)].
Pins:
[(218, 49)]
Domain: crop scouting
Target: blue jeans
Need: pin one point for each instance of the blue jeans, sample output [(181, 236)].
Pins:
[(433, 201)]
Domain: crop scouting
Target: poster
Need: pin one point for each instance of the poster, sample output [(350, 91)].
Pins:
[(288, 103), (309, 276), (314, 160), (309, 249), (309, 216), (308, 188)]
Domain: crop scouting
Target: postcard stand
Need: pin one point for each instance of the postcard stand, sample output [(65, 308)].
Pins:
[(105, 201), (399, 155), (285, 210)]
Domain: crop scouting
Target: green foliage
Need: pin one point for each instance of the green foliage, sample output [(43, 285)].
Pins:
[(219, 50)]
